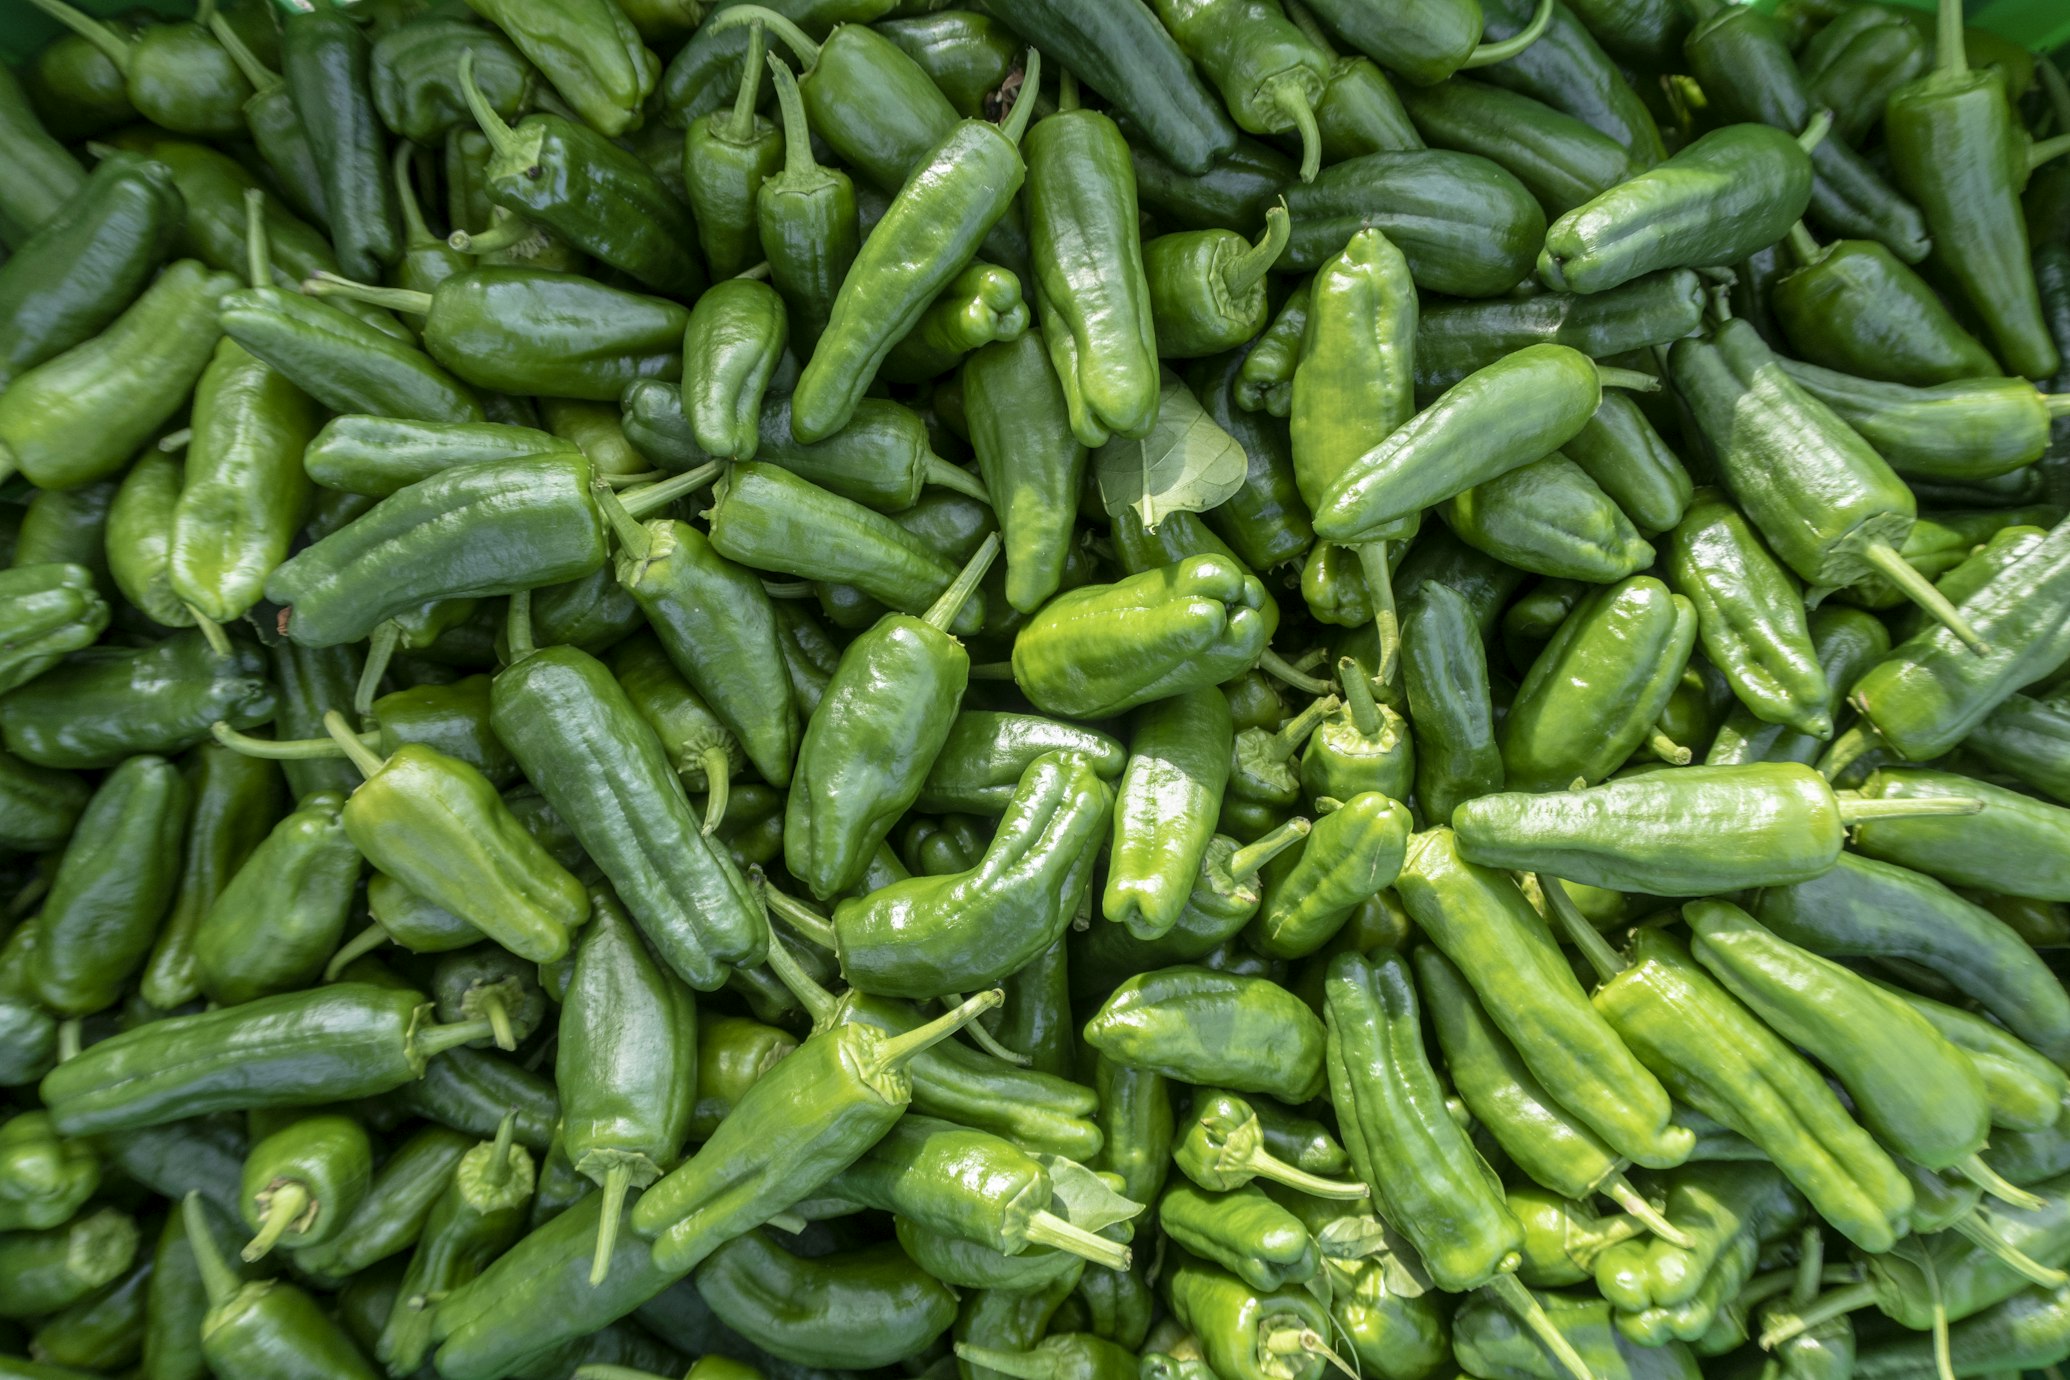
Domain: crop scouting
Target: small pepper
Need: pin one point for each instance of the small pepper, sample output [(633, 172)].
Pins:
[(727, 156), (1549, 517), (590, 52), (1163, 810), (1218, 1029), (304, 1181), (264, 1328), (1451, 714), (805, 220), (284, 912), (1206, 288), (1352, 853), (1224, 1147), (175, 73)]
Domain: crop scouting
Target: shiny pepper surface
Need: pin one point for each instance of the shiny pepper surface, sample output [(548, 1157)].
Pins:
[(1102, 649), (590, 52), (52, 609), (1219, 1029), (108, 703), (1164, 809), (264, 1329)]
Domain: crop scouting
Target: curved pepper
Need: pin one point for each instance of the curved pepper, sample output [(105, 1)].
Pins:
[(1218, 1029), (727, 156), (1629, 461), (986, 751), (281, 916), (590, 52), (1451, 713), (805, 220), (108, 703), (868, 1306), (175, 73), (139, 542), (304, 1181), (731, 347), (1269, 70), (1102, 649), (1245, 1334), (1467, 227), (45, 172), (1223, 1147), (1853, 307), (1484, 924), (1550, 518), (264, 1327), (1352, 853), (1562, 160), (1490, 1344), (45, 1178), (1961, 431), (52, 609)]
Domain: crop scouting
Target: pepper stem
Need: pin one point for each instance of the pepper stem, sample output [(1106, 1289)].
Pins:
[(816, 928), (631, 535), (944, 475), (1244, 272), (2057, 404), (1951, 50), (646, 499), (414, 228), (211, 631), (1973, 1229), (262, 77), (1619, 1190), (341, 733), (1287, 741), (324, 283), (359, 946), (1267, 1165), (718, 786), (218, 1280), (498, 1172), (111, 44), (617, 1183), (796, 39), (1358, 697), (1854, 808), (1047, 1229), (816, 1000), (1294, 101), (433, 1040), (1916, 587), (952, 599), (1387, 623), (1815, 133), (740, 127), (1580, 933), (506, 230), (1828, 1307), (900, 1048), (1631, 380), (1252, 856), (1667, 749), (1488, 54), (1943, 1360), (496, 1010), (1511, 1293), (985, 1040), (501, 137), (2058, 91), (1022, 1365), (798, 163), (1985, 1177), (517, 626), (1016, 123), (2048, 148), (1285, 672), (285, 1206), (68, 1040), (380, 651), (1811, 1266), (1803, 245), (1067, 90), (282, 749)]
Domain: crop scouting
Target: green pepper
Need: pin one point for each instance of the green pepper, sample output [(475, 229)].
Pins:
[(68, 527), (1485, 925), (282, 915), (108, 703), (930, 232), (1490, 1344), (1352, 853), (579, 739), (805, 220), (1241, 1230), (43, 173), (1059, 1356), (626, 1065), (1102, 649), (477, 1217), (905, 939), (986, 751), (1853, 65), (489, 981), (264, 1328), (590, 52), (276, 127), (1233, 193), (39, 807), (1614, 661), (1566, 68), (1852, 306), (1549, 1144), (52, 610), (327, 62), (1092, 293), (76, 274), (733, 1053), (1224, 1147), (1423, 44), (1716, 1056), (31, 1031), (1219, 1029), (2012, 846), (304, 1181), (44, 1178), (299, 1049), (1563, 161), (1164, 807), (113, 886), (967, 54), (176, 75), (1451, 714), (1550, 518), (700, 747), (1629, 461), (60, 423), (49, 1270), (727, 156), (1265, 379), (1865, 908), (1245, 1334), (1467, 227), (869, 1306), (1425, 1175), (74, 87), (415, 83), (732, 346), (1716, 201), (2021, 1085), (177, 1300), (340, 360)]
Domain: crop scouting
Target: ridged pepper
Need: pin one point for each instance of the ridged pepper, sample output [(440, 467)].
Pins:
[(1562, 160), (1567, 69), (805, 220), (1958, 432), (304, 1180), (1467, 227), (415, 76), (52, 609), (45, 174), (731, 347), (1451, 715), (1550, 518), (1227, 1030), (1852, 306), (727, 155), (108, 703), (1164, 806), (590, 52), (1244, 1334), (1352, 853), (1455, 338), (45, 1178), (327, 62), (282, 915), (1491, 1345), (869, 1305), (340, 360), (986, 751), (265, 1327), (1270, 72), (174, 73)]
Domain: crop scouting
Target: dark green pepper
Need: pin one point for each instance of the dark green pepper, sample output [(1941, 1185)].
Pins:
[(1218, 1029), (868, 1306), (805, 220), (1353, 852), (1467, 227), (731, 347), (1852, 306), (52, 609), (1957, 432), (590, 52), (1550, 518), (304, 1181), (1562, 160), (175, 73), (264, 1328), (1455, 338), (416, 83), (1224, 1146), (108, 703), (49, 1270), (327, 62), (1022, 428), (982, 759), (1451, 715), (282, 915), (727, 156)]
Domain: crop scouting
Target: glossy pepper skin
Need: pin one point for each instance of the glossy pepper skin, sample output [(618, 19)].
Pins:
[(2008, 847), (1851, 305), (626, 1065), (1563, 160), (1957, 432), (52, 609), (1352, 853), (1091, 292), (81, 415), (1031, 453), (1164, 807), (472, 531), (1455, 338), (590, 52), (416, 83), (46, 173), (327, 61), (1467, 227), (579, 739), (303, 1048), (1451, 714), (1218, 1029), (1935, 1113), (341, 361), (303, 1181), (1724, 196), (1615, 659), (1245, 1334), (1955, 149), (731, 348), (870, 743), (1628, 460), (869, 1305), (264, 1328), (1549, 517), (113, 886), (276, 922), (108, 703), (78, 272), (237, 800), (805, 220), (930, 232), (727, 155), (1710, 1051), (987, 750), (903, 940), (1486, 926), (1102, 649)]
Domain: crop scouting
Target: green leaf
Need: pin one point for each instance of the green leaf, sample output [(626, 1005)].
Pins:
[(1083, 1198), (1186, 464)]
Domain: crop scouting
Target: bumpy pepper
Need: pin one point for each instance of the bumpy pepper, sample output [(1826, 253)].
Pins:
[(868, 1305), (44, 1178), (1245, 1334), (1206, 288), (1352, 853), (987, 750), (341, 361), (303, 1181), (805, 220), (727, 155), (264, 1328), (1549, 517), (415, 76), (1485, 925), (108, 703), (1102, 649), (1696, 831), (1957, 432), (2011, 846), (281, 916), (1164, 808), (1241, 1230), (52, 609), (1269, 70), (904, 939), (590, 52), (731, 347), (1451, 714), (327, 62), (1853, 306), (1219, 1029), (1223, 1147)]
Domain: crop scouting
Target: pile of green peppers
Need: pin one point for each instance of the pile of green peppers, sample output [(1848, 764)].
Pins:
[(1034, 690)]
